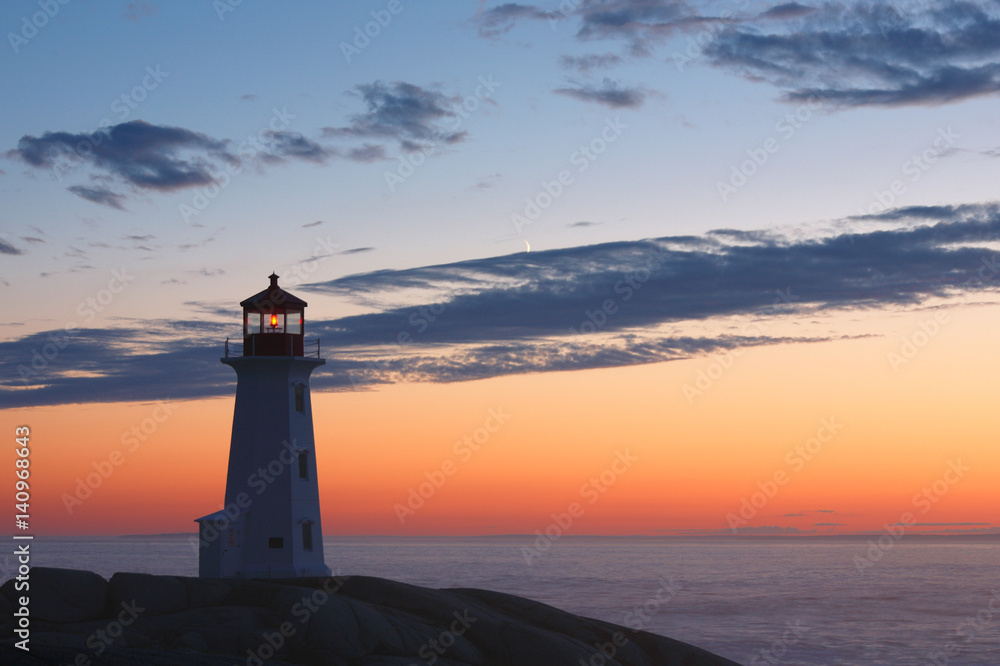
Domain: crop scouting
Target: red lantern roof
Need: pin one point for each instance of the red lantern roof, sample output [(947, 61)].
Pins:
[(272, 297)]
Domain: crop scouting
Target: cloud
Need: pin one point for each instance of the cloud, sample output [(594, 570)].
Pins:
[(282, 145), (871, 54), (771, 530), (528, 312), (7, 248), (249, 97), (161, 158), (101, 195), (144, 155), (690, 277), (849, 54), (638, 20), (357, 250), (312, 224), (609, 93), (488, 182), (787, 10), (828, 525), (584, 64), (32, 239), (134, 10), (501, 19), (404, 112), (369, 152), (946, 524), (640, 23), (583, 223)]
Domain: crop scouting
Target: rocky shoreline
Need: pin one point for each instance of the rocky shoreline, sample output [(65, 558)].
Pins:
[(79, 618)]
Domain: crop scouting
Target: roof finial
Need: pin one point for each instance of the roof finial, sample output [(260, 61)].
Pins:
[(274, 279)]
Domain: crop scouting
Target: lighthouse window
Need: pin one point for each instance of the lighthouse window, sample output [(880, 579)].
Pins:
[(300, 398), (276, 542), (307, 536), (293, 322), (252, 323), (303, 465)]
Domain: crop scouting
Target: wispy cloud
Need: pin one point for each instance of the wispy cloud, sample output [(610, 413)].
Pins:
[(100, 195), (501, 19), (584, 64), (488, 182), (640, 23), (403, 112), (370, 152), (609, 93), (135, 10), (292, 145)]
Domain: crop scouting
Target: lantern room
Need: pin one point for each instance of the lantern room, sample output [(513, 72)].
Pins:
[(273, 323)]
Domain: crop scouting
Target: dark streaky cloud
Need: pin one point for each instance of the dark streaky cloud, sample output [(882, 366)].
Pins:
[(100, 195), (871, 54), (848, 54), (524, 312), (502, 18), (584, 64), (787, 10), (7, 248), (609, 93)]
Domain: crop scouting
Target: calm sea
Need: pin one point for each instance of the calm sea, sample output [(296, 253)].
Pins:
[(757, 601)]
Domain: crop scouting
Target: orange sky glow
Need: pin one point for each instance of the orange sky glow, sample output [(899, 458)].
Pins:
[(694, 462)]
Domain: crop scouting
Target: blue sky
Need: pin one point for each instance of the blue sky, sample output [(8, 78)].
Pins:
[(829, 110)]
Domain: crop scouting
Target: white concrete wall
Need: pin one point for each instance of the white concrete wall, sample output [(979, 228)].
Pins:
[(263, 477)]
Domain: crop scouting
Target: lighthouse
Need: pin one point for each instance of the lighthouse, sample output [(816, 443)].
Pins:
[(270, 524)]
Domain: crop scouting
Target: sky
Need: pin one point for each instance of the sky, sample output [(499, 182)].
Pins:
[(694, 268)]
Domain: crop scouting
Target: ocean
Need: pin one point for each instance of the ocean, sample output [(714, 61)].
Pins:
[(759, 601)]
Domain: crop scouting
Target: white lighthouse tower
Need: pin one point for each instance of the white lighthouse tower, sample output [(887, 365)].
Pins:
[(270, 526)]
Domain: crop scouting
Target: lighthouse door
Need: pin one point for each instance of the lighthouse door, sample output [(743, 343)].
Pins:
[(232, 546)]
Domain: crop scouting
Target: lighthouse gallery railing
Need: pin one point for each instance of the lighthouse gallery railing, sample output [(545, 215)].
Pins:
[(310, 348)]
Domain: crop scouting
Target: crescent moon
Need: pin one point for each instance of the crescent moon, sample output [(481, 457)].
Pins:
[(527, 246)]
